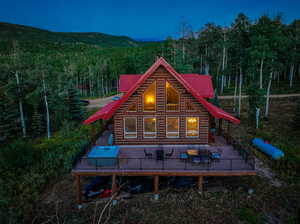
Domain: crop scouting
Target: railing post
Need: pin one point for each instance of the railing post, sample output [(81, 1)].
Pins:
[(230, 164), (140, 163)]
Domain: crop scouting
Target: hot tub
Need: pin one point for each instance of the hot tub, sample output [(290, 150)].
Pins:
[(103, 155)]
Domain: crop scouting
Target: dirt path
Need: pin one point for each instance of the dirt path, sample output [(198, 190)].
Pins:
[(272, 96), (100, 102)]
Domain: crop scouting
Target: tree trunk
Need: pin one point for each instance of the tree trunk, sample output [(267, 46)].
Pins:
[(47, 109), (235, 91), (268, 95), (240, 93), (261, 73), (22, 117), (291, 76)]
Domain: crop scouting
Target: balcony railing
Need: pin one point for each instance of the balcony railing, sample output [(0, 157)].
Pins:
[(234, 164)]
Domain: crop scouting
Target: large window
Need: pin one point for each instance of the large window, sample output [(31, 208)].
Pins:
[(172, 98), (172, 127), (149, 127), (150, 98), (130, 127), (192, 127)]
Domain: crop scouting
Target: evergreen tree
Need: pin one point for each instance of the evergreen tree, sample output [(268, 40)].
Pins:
[(38, 127), (8, 119), (76, 109)]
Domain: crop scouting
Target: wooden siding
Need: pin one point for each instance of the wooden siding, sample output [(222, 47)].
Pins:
[(160, 76)]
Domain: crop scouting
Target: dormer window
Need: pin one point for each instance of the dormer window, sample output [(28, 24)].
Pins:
[(150, 98), (172, 98)]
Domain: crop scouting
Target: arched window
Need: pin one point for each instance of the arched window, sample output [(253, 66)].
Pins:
[(150, 98), (172, 98)]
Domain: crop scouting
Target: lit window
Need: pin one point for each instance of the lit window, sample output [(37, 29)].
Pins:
[(130, 127), (172, 127), (192, 127), (132, 108), (172, 98), (149, 127), (150, 98)]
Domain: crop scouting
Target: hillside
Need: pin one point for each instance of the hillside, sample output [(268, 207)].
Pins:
[(22, 33)]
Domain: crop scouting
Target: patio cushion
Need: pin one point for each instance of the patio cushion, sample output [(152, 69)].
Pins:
[(215, 155), (183, 156)]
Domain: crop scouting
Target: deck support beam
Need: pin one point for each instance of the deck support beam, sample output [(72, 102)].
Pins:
[(78, 191), (114, 188), (155, 187), (200, 183)]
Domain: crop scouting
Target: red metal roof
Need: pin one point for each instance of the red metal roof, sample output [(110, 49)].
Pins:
[(108, 111), (100, 114), (200, 83)]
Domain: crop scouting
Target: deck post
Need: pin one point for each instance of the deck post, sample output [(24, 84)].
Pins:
[(220, 127), (113, 188), (78, 191), (155, 187), (228, 132), (200, 183)]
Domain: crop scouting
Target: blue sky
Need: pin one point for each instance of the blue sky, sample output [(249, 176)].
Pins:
[(137, 18)]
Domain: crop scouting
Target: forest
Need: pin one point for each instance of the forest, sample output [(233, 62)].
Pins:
[(43, 81)]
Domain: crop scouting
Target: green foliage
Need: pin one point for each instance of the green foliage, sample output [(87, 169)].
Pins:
[(38, 127), (248, 215), (76, 108), (256, 99), (17, 155), (26, 168)]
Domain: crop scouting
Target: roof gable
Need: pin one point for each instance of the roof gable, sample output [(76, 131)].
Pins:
[(187, 83), (202, 84)]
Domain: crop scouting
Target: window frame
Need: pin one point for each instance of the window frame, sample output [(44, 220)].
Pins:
[(143, 98), (186, 127), (166, 97), (144, 132), (178, 122), (124, 128)]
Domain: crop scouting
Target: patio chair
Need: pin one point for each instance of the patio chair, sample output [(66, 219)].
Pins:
[(147, 154), (216, 155), (169, 154)]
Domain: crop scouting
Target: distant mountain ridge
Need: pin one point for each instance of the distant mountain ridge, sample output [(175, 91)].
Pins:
[(9, 31)]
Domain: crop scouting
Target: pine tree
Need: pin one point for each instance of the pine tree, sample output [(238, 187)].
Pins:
[(76, 109), (38, 127), (8, 119)]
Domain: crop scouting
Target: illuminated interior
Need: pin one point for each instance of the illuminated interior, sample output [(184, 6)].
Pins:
[(172, 127), (130, 127), (172, 98), (192, 126), (150, 98), (149, 127)]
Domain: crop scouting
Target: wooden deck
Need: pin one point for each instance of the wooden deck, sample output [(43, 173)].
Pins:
[(132, 162)]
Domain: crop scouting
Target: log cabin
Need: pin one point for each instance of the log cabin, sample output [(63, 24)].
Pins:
[(160, 118)]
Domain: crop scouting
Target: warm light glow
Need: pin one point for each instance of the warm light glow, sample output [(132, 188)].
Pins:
[(192, 120), (150, 99), (167, 84)]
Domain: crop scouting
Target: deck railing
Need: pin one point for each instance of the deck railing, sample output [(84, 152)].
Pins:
[(234, 164)]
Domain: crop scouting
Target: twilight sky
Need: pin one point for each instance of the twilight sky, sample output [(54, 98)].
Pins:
[(137, 18)]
